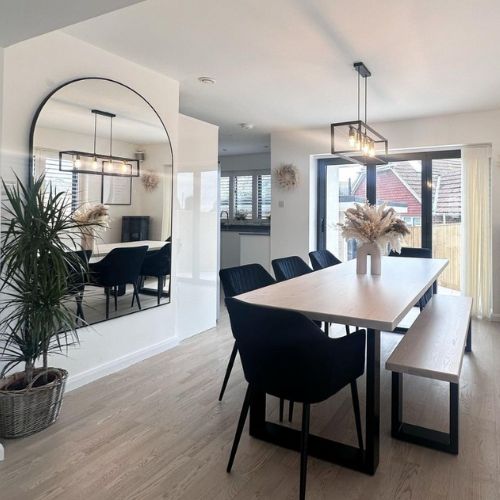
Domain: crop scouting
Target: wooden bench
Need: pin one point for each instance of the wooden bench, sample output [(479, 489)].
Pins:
[(432, 348)]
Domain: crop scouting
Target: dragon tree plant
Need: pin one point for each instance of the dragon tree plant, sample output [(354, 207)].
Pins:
[(39, 237)]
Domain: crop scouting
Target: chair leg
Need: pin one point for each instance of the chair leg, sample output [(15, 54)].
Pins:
[(347, 330), (327, 328), (282, 408), (239, 429), (106, 291), (115, 293), (306, 413), (228, 370), (160, 288), (290, 411), (357, 414), (136, 295), (79, 308)]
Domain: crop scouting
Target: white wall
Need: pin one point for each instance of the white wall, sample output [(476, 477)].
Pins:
[(33, 69), (258, 161), (197, 226), (293, 227)]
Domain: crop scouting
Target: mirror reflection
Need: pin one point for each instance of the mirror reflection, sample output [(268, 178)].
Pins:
[(105, 147)]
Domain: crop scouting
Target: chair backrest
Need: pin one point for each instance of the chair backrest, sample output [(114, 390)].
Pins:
[(121, 266), (323, 258), (289, 267), (286, 355), (423, 253), (158, 263), (241, 279)]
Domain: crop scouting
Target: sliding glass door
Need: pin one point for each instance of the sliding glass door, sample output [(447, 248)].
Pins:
[(425, 190)]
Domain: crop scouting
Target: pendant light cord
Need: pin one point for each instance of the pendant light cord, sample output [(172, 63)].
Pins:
[(95, 134)]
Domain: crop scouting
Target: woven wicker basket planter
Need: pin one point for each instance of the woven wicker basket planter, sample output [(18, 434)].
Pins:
[(33, 409)]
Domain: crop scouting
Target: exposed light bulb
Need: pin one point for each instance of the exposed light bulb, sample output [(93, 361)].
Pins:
[(365, 145), (95, 164), (77, 163), (371, 150), (352, 136), (124, 168)]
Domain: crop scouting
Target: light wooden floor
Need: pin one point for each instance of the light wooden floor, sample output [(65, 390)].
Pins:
[(156, 430)]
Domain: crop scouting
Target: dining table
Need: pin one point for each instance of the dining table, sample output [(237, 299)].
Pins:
[(339, 295)]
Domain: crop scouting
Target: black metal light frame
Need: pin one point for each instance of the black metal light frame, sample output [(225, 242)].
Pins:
[(106, 159), (132, 163), (361, 129)]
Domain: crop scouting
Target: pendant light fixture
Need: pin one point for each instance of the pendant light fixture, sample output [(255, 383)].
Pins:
[(81, 162), (355, 141)]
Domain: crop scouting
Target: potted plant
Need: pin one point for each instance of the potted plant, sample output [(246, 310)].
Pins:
[(37, 317)]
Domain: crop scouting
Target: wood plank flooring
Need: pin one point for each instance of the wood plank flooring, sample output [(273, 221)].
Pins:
[(156, 430)]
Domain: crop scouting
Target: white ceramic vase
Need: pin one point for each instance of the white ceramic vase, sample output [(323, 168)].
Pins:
[(374, 251)]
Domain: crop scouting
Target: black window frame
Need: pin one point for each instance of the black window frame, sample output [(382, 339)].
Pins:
[(426, 157)]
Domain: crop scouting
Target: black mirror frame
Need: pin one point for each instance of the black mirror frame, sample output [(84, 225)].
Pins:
[(31, 172)]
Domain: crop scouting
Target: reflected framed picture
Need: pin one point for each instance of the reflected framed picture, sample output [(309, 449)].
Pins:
[(116, 190)]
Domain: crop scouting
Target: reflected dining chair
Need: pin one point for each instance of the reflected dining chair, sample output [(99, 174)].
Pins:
[(422, 253), (286, 355), (320, 259), (157, 264), (120, 267), (235, 281), (78, 277)]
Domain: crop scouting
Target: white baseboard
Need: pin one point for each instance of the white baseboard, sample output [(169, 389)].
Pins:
[(80, 379), (2, 453)]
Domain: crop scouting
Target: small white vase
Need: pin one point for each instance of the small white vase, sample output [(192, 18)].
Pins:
[(373, 250)]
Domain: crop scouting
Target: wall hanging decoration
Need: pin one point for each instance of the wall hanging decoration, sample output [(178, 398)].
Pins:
[(376, 229), (355, 141), (150, 180), (287, 176), (91, 218)]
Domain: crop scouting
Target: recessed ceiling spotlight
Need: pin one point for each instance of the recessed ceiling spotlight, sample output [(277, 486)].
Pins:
[(247, 126), (207, 80)]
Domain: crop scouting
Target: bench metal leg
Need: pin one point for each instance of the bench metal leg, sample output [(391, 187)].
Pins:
[(468, 343), (416, 434)]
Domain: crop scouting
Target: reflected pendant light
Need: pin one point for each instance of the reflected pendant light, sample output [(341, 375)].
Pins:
[(81, 162), (355, 141)]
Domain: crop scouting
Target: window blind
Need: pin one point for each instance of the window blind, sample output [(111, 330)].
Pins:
[(264, 196), (243, 195), (60, 181), (224, 194)]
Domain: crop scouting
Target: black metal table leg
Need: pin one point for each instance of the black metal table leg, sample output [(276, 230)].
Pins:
[(372, 400)]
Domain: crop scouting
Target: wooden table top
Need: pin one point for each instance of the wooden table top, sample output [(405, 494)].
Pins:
[(102, 249), (338, 295)]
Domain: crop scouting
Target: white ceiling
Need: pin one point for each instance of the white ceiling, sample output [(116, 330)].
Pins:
[(70, 109), (288, 63), (23, 19)]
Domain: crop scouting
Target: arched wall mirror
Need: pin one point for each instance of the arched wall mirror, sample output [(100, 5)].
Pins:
[(105, 146)]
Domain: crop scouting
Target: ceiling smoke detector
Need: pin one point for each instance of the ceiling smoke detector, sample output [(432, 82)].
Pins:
[(207, 80), (247, 126)]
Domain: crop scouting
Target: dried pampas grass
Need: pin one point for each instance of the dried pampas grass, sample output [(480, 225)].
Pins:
[(150, 180)]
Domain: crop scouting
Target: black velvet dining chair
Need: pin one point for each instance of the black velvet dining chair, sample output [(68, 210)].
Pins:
[(78, 267), (157, 264), (235, 281), (320, 259), (287, 268), (120, 267), (422, 253), (286, 355)]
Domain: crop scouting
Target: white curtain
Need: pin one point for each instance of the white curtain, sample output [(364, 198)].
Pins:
[(476, 228)]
